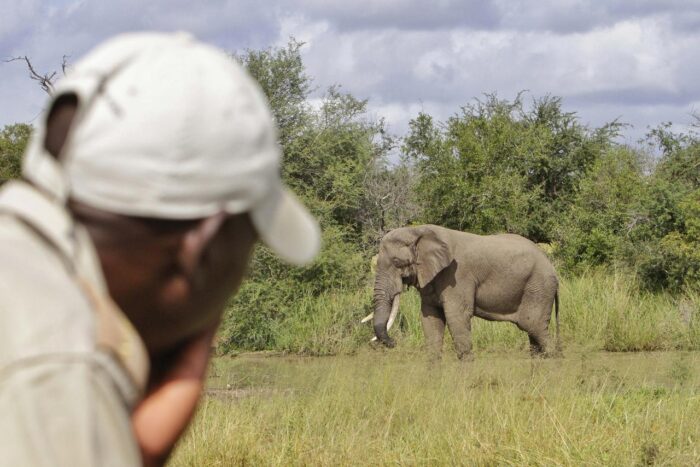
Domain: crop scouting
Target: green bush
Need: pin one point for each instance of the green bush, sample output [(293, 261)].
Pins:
[(596, 227), (276, 293), (13, 141), (327, 151), (499, 166), (495, 166), (673, 262)]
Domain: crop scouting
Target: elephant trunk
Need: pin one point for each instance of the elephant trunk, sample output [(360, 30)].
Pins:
[(385, 309)]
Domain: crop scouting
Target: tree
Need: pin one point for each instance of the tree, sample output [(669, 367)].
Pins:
[(13, 141), (281, 74), (389, 200), (498, 166), (46, 81), (327, 153), (14, 138), (607, 207), (668, 234)]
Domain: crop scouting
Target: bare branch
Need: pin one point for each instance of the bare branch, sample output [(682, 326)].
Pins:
[(64, 64), (45, 80), (389, 201)]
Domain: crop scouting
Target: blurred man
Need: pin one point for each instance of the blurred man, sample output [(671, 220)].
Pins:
[(146, 184)]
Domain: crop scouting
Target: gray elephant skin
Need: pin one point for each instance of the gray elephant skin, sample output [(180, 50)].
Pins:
[(460, 275)]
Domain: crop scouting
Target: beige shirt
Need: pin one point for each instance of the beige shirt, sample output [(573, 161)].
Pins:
[(71, 366)]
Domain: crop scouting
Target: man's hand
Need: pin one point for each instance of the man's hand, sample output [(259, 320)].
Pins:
[(176, 385)]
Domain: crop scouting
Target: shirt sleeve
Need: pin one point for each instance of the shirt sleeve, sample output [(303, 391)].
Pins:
[(63, 410)]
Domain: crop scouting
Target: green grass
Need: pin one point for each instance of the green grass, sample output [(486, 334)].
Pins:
[(326, 325), (392, 408), (604, 310), (600, 310), (371, 406)]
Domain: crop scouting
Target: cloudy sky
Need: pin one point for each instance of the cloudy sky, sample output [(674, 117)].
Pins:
[(636, 60)]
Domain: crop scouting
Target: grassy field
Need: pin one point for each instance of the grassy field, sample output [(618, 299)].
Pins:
[(626, 392), (391, 408)]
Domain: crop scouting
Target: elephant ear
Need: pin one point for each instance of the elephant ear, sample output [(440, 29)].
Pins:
[(433, 254)]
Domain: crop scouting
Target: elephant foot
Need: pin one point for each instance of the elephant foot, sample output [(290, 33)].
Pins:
[(538, 345), (465, 357)]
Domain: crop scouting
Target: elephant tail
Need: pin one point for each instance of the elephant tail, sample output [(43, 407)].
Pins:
[(556, 317)]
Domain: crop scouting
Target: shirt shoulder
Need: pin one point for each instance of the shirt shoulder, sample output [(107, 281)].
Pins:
[(65, 411), (42, 309)]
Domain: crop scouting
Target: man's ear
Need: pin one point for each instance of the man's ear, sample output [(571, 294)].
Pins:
[(59, 121), (195, 242)]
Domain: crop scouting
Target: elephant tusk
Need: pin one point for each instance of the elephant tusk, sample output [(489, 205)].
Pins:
[(394, 312), (392, 316)]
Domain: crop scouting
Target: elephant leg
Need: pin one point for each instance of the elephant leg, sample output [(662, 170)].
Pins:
[(433, 320), (534, 314), (537, 334), (460, 324), (538, 343)]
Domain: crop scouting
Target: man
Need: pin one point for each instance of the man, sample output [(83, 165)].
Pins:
[(146, 185)]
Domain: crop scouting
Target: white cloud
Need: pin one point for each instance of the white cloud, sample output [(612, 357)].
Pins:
[(16, 18), (606, 58), (298, 27)]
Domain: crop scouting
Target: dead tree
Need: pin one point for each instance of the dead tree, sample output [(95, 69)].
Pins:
[(389, 202), (46, 81)]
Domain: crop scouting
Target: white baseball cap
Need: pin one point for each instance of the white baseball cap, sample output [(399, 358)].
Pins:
[(169, 127)]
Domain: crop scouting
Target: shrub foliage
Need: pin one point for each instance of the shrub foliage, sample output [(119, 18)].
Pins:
[(525, 166)]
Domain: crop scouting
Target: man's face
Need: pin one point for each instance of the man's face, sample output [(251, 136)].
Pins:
[(217, 274), (144, 266)]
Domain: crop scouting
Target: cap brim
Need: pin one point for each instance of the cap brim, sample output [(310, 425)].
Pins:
[(287, 227)]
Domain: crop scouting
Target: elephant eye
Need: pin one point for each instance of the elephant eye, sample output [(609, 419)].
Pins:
[(400, 263)]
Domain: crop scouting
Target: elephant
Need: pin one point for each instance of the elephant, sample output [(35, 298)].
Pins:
[(459, 275)]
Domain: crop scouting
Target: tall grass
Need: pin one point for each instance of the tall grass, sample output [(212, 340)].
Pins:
[(393, 409), (606, 310), (326, 324), (600, 310), (372, 406)]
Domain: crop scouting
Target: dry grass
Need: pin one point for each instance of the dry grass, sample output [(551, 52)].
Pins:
[(370, 406), (389, 408)]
